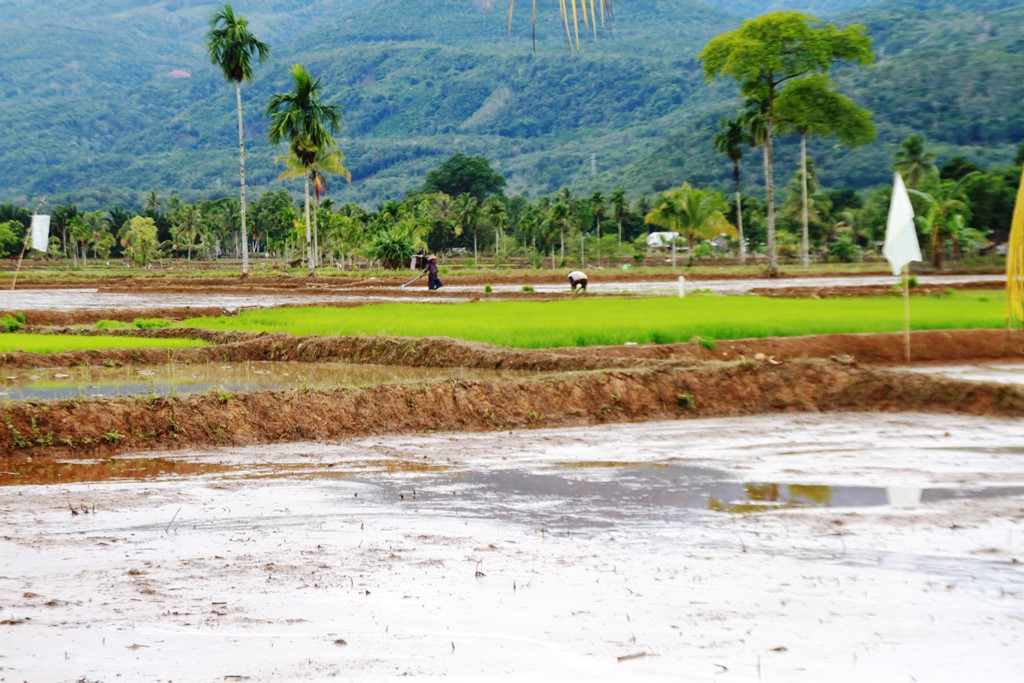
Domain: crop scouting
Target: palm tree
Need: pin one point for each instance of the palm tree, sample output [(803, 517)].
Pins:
[(494, 210), (466, 209), (619, 208), (326, 162), (730, 141), (186, 225), (308, 124), (232, 48), (596, 204), (692, 212), (913, 162), (947, 207)]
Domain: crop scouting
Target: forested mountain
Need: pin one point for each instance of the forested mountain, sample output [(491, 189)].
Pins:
[(103, 101)]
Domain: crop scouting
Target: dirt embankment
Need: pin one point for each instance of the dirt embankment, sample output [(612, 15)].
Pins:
[(105, 426), (927, 346)]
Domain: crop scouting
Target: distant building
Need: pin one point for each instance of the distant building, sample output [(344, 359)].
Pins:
[(661, 240)]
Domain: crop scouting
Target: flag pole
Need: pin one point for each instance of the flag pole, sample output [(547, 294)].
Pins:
[(24, 246), (906, 313)]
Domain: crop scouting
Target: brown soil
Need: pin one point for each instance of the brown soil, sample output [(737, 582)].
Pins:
[(617, 384), (108, 425), (927, 346), (596, 384)]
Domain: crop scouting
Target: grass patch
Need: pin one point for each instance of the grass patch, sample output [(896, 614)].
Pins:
[(595, 321), (53, 343)]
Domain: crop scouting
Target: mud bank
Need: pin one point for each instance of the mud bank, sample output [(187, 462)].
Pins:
[(927, 346), (111, 425)]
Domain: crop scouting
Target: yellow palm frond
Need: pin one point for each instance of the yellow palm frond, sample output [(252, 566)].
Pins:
[(1015, 260), (569, 12)]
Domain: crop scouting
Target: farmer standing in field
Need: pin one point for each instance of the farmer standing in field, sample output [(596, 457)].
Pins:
[(578, 278), (433, 281)]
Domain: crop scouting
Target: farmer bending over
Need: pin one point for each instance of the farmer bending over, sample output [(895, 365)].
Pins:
[(578, 279), (433, 281)]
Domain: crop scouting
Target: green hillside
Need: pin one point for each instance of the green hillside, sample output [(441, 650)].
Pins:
[(104, 101)]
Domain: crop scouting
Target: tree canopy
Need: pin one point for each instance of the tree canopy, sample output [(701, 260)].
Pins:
[(462, 174)]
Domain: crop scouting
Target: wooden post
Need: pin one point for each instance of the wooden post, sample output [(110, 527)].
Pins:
[(24, 246), (906, 313)]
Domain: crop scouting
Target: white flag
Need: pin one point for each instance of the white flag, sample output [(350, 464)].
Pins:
[(901, 245), (40, 233)]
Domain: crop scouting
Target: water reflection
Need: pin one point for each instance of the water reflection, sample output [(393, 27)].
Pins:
[(36, 471), (170, 379), (602, 496)]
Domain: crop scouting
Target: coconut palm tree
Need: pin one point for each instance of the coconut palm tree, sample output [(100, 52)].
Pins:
[(232, 48), (730, 141), (947, 210), (620, 207), (913, 162), (301, 118), (494, 209), (596, 204), (186, 226), (326, 162), (692, 212), (466, 211)]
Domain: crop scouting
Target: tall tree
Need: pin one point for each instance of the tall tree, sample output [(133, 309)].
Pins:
[(466, 211), (730, 141), (301, 118), (596, 204), (327, 162), (464, 174), (494, 210), (620, 207), (811, 106), (232, 47), (766, 52), (913, 161)]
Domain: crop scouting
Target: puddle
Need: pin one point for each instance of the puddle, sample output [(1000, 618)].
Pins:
[(36, 471), (163, 380), (608, 494)]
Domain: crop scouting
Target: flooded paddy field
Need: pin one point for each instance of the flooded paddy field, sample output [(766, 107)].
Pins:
[(175, 378), (233, 295), (838, 547)]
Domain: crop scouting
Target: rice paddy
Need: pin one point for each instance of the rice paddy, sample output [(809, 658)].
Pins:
[(589, 322), (52, 343)]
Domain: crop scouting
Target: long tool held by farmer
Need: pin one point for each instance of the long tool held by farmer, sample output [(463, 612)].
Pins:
[(412, 280)]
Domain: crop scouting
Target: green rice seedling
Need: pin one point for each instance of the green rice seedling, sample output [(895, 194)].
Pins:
[(106, 324), (151, 323), (50, 343), (607, 321), (12, 323)]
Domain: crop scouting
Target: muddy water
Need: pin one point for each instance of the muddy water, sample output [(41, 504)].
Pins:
[(180, 379), (713, 286), (1003, 373), (91, 299), (784, 548)]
